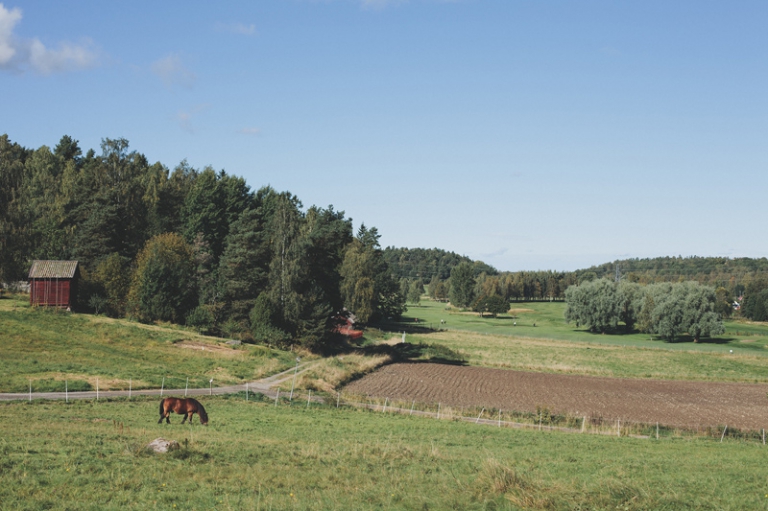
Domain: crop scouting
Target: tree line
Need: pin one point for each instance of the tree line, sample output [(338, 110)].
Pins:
[(733, 274), (194, 246), (667, 310), (434, 268), (742, 280)]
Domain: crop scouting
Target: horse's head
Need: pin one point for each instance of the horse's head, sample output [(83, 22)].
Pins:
[(202, 414)]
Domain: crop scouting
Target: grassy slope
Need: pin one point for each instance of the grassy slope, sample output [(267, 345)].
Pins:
[(88, 455), (49, 347)]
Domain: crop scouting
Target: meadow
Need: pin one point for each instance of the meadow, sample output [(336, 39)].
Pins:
[(544, 320), (254, 455), (740, 355), (53, 349)]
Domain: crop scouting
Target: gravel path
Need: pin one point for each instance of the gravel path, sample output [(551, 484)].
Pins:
[(263, 386)]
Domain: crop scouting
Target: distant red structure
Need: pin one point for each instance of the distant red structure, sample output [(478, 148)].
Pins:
[(350, 332), (53, 283), (345, 325)]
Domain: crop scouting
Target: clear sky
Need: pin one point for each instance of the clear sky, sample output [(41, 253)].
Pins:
[(528, 134)]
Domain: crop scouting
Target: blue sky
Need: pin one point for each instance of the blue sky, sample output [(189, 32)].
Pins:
[(530, 135)]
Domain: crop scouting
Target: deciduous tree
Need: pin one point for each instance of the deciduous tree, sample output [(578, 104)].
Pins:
[(163, 284), (462, 291)]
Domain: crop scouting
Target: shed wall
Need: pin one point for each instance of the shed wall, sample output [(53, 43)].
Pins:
[(51, 292)]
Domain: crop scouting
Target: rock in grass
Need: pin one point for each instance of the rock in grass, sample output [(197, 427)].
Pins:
[(163, 445)]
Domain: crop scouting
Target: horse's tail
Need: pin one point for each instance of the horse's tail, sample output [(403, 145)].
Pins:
[(201, 413), (162, 407)]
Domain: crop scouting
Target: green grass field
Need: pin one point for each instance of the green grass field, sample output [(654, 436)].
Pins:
[(51, 348), (253, 455), (740, 336), (555, 346)]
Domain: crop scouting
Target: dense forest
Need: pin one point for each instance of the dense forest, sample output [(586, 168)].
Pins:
[(192, 246), (198, 246), (424, 263)]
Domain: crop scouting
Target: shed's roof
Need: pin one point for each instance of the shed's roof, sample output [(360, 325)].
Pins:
[(53, 269)]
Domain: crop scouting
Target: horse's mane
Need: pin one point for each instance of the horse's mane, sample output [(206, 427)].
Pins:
[(200, 411)]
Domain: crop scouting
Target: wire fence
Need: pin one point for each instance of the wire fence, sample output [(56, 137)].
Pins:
[(542, 419)]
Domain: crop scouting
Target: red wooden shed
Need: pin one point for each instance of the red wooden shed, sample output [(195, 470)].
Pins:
[(53, 283)]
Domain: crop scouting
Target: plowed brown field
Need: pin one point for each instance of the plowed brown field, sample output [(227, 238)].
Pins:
[(671, 403)]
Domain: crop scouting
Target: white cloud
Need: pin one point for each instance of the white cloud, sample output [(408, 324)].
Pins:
[(249, 131), (237, 28), (66, 58), (19, 54), (8, 20), (172, 72)]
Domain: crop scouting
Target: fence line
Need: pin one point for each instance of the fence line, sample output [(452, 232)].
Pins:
[(582, 424)]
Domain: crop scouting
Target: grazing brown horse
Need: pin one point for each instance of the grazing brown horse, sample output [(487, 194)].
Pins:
[(185, 406)]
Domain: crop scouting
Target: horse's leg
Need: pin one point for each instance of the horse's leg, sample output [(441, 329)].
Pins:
[(185, 419)]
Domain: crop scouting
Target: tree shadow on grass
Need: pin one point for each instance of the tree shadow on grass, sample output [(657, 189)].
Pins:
[(683, 339), (711, 340), (618, 332), (409, 328), (420, 352), (402, 352)]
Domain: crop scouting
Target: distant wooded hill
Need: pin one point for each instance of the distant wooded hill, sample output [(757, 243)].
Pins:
[(733, 274), (428, 265)]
